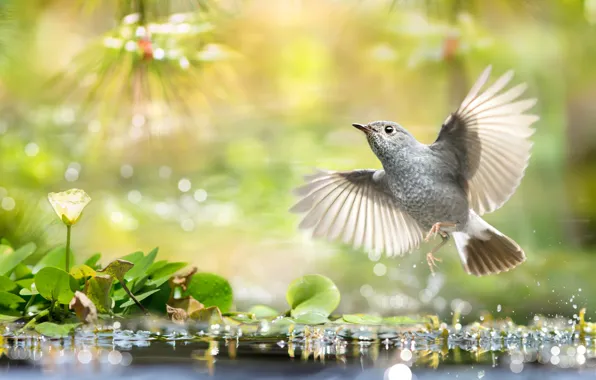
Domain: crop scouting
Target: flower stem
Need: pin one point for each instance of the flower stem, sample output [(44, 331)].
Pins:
[(145, 311), (68, 227)]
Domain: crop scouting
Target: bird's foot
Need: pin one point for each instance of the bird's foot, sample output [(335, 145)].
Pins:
[(431, 260), (436, 228)]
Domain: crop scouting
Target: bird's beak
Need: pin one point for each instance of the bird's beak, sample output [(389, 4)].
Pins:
[(364, 128)]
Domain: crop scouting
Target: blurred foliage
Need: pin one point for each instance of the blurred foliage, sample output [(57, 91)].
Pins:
[(200, 158)]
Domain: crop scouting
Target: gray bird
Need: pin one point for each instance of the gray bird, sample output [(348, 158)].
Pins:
[(473, 167)]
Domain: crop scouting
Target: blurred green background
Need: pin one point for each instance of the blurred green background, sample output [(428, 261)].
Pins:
[(189, 122)]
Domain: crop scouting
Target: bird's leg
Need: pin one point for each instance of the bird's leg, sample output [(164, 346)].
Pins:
[(438, 227), (430, 258)]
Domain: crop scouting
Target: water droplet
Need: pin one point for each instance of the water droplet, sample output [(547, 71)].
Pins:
[(498, 308)]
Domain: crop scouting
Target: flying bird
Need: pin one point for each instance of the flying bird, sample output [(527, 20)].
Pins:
[(473, 167)]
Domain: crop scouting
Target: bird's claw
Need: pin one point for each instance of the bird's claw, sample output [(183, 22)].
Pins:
[(434, 230), (431, 260)]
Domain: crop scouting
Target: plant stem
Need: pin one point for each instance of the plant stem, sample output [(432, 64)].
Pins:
[(68, 227), (133, 298), (29, 303), (39, 315), (67, 259)]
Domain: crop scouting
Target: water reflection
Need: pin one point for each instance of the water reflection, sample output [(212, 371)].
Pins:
[(398, 352)]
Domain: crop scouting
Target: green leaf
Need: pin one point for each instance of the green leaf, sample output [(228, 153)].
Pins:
[(55, 285), (312, 294), (163, 274), (117, 269), (262, 311), (140, 267), (8, 299), (211, 290), (9, 261), (54, 258), (54, 330), (6, 284), (21, 271), (8, 318), (241, 317), (5, 241), (82, 271), (134, 257), (28, 287), (312, 318), (211, 314), (401, 320), (156, 265), (93, 260), (97, 290), (362, 319), (5, 249), (139, 298)]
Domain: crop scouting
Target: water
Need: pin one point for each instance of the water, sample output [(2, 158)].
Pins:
[(148, 349)]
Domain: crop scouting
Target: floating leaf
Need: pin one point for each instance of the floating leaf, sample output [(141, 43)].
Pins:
[(93, 260), (188, 304), (13, 258), (242, 317), (362, 319), (117, 269), (8, 299), (55, 258), (211, 314), (54, 330), (263, 311), (82, 271), (401, 320), (177, 315), (312, 317), (6, 284), (8, 318), (55, 285), (83, 307), (312, 294), (211, 290), (139, 298), (97, 289), (141, 266)]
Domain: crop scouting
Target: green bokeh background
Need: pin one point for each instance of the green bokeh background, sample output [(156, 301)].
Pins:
[(270, 93)]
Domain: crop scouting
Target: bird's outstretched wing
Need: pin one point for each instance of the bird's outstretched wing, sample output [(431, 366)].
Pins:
[(356, 207), (489, 136)]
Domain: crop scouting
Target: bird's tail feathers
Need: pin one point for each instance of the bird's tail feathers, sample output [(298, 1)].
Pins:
[(484, 250)]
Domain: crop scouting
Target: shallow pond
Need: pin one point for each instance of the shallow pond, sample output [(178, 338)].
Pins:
[(148, 349)]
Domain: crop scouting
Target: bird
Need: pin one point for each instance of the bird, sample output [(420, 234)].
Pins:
[(472, 168)]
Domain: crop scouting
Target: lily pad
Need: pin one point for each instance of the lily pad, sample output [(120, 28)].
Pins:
[(263, 311), (8, 299), (402, 320), (97, 290), (11, 259), (312, 318), (6, 284), (55, 285), (211, 290), (54, 330), (82, 271), (117, 269), (362, 319), (55, 258), (312, 294)]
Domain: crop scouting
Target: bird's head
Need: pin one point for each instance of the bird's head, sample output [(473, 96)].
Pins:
[(386, 138)]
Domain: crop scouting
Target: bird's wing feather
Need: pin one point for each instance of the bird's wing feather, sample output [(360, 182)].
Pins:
[(356, 207), (489, 136)]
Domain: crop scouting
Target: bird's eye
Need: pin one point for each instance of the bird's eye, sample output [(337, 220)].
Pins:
[(389, 129)]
